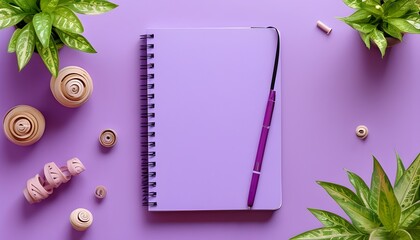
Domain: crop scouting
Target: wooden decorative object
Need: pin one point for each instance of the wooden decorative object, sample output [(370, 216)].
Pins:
[(362, 131), (24, 125), (323, 27), (100, 192), (108, 138), (40, 187), (72, 87), (81, 219)]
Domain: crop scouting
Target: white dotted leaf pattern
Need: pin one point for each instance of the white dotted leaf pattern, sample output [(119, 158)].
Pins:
[(25, 45), (49, 55), (64, 19), (91, 7), (43, 24), (75, 41)]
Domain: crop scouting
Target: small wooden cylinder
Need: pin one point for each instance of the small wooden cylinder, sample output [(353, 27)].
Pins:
[(100, 192), (324, 27), (72, 87), (108, 138), (24, 125)]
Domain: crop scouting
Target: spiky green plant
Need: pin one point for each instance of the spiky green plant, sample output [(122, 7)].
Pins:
[(45, 25), (381, 212), (377, 19)]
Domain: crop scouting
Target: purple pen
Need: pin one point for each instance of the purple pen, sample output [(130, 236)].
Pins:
[(264, 131)]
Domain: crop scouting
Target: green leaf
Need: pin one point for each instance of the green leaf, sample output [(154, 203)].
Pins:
[(398, 8), (382, 198), (48, 5), (362, 190), (12, 44), (75, 41), (411, 25), (362, 27), (414, 232), (10, 16), (43, 24), (27, 5), (400, 169), (353, 3), (64, 19), (407, 187), (378, 38), (410, 217), (366, 39), (328, 233), (372, 7), (363, 218), (25, 45), (401, 234), (380, 234), (91, 7), (330, 219), (358, 16), (392, 31), (49, 55)]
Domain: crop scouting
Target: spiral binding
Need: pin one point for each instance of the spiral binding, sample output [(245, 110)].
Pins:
[(147, 124)]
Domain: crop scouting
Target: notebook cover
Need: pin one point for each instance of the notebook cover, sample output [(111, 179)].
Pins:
[(210, 93)]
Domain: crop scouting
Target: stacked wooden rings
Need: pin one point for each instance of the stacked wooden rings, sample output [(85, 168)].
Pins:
[(72, 87), (81, 219), (362, 131), (100, 192), (24, 125), (108, 138)]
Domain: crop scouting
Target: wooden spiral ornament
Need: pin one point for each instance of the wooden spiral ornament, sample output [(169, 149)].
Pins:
[(100, 192), (81, 219), (24, 125), (40, 187), (108, 138), (362, 131), (72, 87)]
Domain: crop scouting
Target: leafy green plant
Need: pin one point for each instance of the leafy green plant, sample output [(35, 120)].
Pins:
[(381, 212), (45, 25), (377, 20)]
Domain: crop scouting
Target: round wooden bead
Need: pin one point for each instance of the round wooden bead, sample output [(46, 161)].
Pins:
[(24, 125), (108, 138), (362, 131), (100, 192), (81, 219), (72, 87)]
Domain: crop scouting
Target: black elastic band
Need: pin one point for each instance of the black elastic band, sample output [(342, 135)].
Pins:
[(276, 60)]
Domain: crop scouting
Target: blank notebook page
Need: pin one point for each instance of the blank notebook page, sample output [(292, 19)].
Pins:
[(211, 90)]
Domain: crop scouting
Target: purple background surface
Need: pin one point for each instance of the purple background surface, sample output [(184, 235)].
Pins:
[(330, 84)]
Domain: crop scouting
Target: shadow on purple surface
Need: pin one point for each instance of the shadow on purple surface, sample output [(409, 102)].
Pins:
[(208, 216)]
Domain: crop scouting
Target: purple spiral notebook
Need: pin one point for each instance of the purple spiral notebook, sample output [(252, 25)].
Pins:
[(204, 93)]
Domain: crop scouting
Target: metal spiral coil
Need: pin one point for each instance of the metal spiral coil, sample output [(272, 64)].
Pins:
[(146, 126)]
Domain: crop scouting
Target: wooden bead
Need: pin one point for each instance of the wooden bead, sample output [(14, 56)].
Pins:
[(72, 87), (362, 131), (81, 219), (100, 192), (108, 138), (24, 125)]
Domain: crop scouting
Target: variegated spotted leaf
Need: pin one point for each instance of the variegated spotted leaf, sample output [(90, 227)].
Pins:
[(10, 16), (406, 25), (64, 19), (49, 55), (75, 41), (400, 169), (379, 39), (328, 233), (410, 217), (362, 190), (380, 234), (402, 234), (330, 219), (27, 5), (353, 3), (43, 24), (362, 218), (408, 187), (91, 7), (382, 198), (48, 5), (25, 45), (13, 40), (366, 39)]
